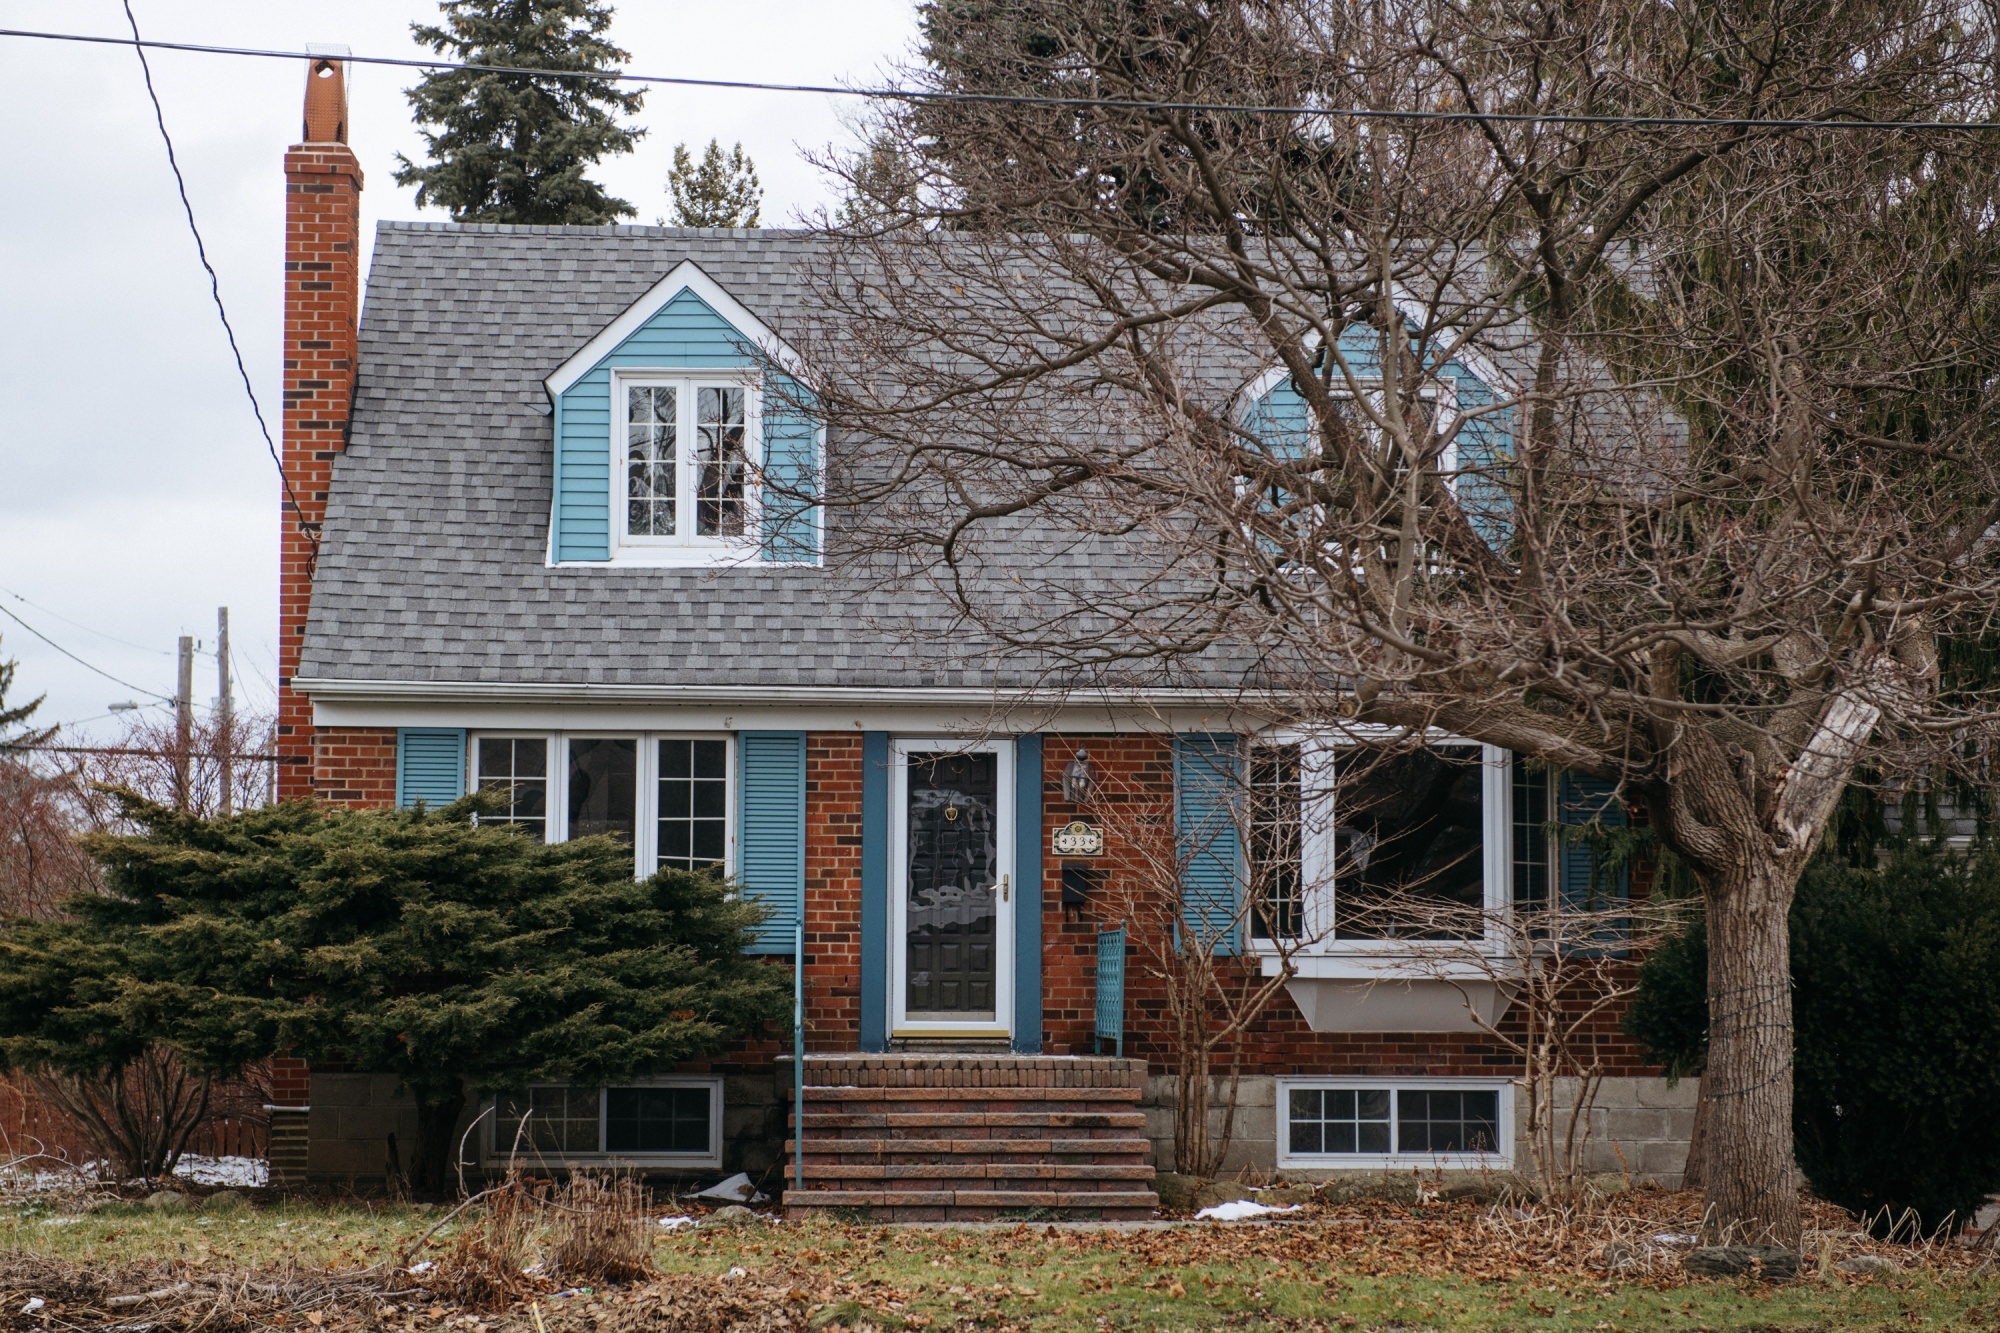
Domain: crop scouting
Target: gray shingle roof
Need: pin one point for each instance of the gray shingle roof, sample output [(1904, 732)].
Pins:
[(433, 561)]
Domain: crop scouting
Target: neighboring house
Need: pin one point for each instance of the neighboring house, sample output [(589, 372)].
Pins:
[(544, 562)]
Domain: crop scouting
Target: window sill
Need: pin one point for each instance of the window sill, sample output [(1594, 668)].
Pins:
[(1455, 1161), (687, 557), (658, 1161), (1397, 961)]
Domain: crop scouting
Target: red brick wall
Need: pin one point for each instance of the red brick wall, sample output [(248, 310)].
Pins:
[(355, 765), (833, 891), (322, 304)]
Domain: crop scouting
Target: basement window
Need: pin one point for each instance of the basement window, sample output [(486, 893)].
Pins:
[(665, 1122), (1350, 1123)]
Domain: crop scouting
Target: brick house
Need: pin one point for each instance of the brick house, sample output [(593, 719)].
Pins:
[(532, 552)]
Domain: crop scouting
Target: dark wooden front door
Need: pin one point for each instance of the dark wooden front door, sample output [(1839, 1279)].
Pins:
[(952, 913)]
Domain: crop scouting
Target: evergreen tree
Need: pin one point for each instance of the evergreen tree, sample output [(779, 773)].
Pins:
[(460, 957), (12, 716), (882, 188), (1898, 1052), (720, 192), (513, 147)]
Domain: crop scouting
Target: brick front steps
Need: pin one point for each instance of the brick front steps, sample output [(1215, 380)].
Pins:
[(973, 1138)]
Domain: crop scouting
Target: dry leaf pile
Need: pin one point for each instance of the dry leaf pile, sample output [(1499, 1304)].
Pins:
[(44, 1293)]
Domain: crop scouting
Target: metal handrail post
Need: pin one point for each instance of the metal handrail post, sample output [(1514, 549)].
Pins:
[(799, 1057)]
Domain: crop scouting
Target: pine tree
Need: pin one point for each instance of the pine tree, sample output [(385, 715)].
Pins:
[(12, 717), (513, 147), (457, 956), (721, 192), (882, 187)]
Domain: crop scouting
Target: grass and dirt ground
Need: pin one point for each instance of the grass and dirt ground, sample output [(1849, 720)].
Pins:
[(74, 1264)]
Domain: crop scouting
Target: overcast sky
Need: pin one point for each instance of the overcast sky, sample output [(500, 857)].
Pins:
[(135, 493)]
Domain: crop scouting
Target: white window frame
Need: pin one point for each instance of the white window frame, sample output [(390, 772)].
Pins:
[(497, 1152), (1500, 1159), (1323, 955), (1002, 1022), (685, 548), (1439, 392), (646, 831)]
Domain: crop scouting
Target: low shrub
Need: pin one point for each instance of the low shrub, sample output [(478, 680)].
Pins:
[(1897, 1065)]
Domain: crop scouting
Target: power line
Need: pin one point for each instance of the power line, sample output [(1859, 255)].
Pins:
[(1025, 99), (117, 680), (214, 283), (139, 751), (75, 624)]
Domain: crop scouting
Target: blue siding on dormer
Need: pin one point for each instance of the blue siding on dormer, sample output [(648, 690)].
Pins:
[(1484, 443), (687, 333)]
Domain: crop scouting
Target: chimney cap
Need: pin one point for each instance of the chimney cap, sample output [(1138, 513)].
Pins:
[(326, 92)]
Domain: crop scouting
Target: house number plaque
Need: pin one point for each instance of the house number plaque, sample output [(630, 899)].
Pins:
[(1077, 838)]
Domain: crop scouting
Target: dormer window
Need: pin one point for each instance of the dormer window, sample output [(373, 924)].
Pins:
[(683, 439), (688, 462)]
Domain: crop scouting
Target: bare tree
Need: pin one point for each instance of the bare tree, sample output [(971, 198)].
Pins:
[(1653, 451), (40, 862), (1567, 969), (230, 763), (1192, 941)]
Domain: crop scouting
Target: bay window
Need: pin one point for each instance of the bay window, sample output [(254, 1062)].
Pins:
[(1362, 847)]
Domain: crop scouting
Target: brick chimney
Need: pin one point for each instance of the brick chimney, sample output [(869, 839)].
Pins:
[(322, 306)]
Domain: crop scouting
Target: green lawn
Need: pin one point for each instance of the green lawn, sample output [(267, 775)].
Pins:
[(1393, 1272)]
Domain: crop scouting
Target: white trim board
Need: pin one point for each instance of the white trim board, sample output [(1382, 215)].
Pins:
[(685, 276)]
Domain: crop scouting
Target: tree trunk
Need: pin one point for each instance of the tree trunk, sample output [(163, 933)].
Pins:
[(1694, 1175), (431, 1176), (1750, 1178)]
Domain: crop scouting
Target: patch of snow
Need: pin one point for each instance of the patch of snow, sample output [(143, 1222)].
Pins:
[(236, 1172), (674, 1223), (1241, 1210), (34, 1303), (422, 1266), (736, 1189), (61, 1221), (1673, 1238)]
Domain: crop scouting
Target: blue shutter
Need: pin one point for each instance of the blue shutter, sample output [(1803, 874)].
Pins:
[(1581, 800), (791, 475), (1027, 895), (772, 817), (1208, 783), (430, 765), (875, 891)]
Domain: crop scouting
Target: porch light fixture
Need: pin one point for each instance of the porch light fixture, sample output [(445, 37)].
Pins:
[(1079, 779)]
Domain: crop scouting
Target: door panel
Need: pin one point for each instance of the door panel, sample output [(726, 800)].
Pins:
[(952, 909)]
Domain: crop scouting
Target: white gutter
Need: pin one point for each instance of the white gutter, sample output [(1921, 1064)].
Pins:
[(325, 690)]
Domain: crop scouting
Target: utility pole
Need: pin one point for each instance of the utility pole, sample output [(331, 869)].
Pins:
[(225, 709), (184, 725)]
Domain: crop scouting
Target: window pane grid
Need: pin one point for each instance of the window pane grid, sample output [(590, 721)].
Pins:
[(519, 767), (694, 804), (1393, 1121), (721, 463), (656, 1120), (652, 425), (555, 1120), (1531, 834), (1275, 864)]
